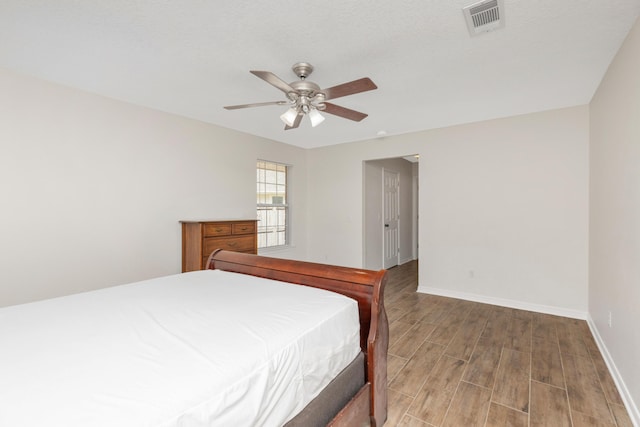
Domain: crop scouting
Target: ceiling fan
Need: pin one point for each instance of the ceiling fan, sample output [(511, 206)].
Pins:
[(306, 97)]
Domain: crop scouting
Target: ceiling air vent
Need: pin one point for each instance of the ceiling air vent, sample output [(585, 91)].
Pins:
[(484, 16)]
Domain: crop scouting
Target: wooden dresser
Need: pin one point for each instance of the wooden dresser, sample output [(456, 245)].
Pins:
[(200, 238)]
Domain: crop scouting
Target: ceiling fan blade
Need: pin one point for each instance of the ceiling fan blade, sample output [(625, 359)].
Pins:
[(273, 80), (296, 122), (346, 113), (361, 85), (258, 104)]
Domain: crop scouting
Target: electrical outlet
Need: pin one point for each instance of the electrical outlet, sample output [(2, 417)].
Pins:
[(610, 319)]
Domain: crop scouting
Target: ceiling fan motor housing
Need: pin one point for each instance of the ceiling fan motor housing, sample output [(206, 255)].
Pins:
[(307, 94)]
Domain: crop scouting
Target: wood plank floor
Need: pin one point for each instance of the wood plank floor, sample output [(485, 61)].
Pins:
[(460, 363)]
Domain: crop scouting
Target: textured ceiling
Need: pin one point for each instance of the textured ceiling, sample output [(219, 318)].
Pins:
[(192, 57)]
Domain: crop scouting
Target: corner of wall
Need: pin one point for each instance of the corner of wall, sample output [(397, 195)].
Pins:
[(630, 405)]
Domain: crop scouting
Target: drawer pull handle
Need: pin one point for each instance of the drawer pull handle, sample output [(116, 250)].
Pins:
[(232, 244), (218, 229)]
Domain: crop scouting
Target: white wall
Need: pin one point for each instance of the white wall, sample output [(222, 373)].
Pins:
[(504, 199), (92, 189), (614, 256)]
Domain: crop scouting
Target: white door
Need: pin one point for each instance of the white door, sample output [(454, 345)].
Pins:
[(391, 208)]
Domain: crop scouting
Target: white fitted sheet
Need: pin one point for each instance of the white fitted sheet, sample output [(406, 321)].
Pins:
[(202, 348)]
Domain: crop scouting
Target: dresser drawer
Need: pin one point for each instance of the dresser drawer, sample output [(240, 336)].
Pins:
[(244, 228), (236, 244), (217, 229)]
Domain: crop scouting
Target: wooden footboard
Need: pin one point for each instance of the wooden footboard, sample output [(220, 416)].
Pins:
[(365, 286)]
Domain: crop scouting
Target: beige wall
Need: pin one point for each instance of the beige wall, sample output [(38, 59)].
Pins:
[(502, 206), (614, 229), (504, 212), (92, 189)]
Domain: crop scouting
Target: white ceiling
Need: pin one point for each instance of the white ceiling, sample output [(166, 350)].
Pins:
[(192, 57)]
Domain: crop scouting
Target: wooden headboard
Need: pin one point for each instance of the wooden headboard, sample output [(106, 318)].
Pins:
[(365, 286)]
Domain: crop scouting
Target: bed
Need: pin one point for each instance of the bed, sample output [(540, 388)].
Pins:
[(230, 345)]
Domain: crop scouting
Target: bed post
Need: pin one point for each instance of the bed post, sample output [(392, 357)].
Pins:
[(377, 346)]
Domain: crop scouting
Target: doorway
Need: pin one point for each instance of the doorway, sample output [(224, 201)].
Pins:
[(377, 254)]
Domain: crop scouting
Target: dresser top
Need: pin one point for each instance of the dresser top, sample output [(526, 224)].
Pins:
[(194, 221)]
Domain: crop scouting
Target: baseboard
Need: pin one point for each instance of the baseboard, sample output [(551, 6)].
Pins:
[(405, 260), (558, 311), (632, 408)]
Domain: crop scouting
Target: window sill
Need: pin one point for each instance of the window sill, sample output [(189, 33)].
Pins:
[(273, 249)]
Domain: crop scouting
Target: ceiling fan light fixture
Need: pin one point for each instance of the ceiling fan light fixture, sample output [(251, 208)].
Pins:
[(289, 116), (315, 117)]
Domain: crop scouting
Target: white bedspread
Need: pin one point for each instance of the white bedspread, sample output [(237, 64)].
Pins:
[(201, 348)]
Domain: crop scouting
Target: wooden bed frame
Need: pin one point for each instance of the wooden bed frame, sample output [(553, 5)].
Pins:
[(366, 287)]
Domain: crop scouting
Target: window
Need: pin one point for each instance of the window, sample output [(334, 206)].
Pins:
[(272, 205)]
